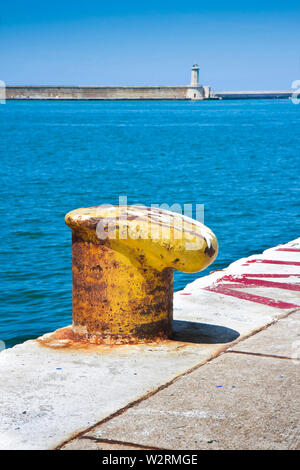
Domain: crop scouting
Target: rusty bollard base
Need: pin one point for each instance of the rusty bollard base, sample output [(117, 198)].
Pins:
[(123, 263)]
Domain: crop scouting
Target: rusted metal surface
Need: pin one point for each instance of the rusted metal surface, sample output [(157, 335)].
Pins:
[(113, 298), (123, 281)]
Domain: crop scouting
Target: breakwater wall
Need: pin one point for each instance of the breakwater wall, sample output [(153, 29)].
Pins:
[(97, 93), (187, 92), (244, 95)]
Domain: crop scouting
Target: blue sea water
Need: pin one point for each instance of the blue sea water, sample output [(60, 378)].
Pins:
[(238, 158)]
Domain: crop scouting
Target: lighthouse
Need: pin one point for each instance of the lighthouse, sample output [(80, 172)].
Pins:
[(195, 75), (195, 91)]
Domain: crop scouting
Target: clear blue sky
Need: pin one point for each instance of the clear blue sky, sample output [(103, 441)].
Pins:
[(238, 45)]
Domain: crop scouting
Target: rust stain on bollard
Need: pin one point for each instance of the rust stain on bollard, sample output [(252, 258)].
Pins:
[(123, 263)]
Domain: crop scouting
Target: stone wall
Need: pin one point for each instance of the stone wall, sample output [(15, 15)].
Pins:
[(97, 93)]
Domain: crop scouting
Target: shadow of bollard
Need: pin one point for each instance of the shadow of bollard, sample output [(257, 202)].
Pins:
[(202, 333)]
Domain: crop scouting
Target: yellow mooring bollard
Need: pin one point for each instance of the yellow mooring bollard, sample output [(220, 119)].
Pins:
[(123, 263)]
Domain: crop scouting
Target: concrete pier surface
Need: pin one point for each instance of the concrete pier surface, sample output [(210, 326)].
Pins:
[(229, 379)]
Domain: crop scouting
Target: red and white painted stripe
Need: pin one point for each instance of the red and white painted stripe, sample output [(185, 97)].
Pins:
[(275, 273), (255, 290)]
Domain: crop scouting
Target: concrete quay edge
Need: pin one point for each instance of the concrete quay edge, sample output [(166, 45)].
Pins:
[(50, 396)]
